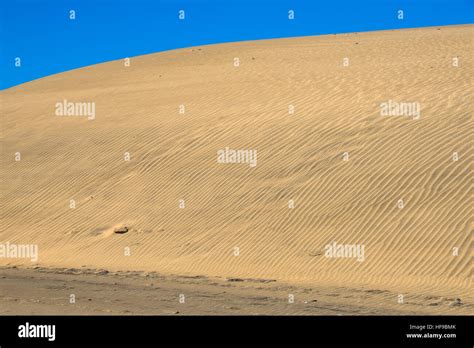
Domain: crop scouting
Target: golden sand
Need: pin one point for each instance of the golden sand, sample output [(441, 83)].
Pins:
[(400, 191)]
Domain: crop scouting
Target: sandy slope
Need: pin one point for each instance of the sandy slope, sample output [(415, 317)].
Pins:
[(174, 156)]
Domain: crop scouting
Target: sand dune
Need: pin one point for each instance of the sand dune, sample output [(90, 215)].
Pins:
[(173, 157)]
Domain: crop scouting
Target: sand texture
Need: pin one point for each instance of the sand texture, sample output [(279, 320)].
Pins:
[(182, 212)]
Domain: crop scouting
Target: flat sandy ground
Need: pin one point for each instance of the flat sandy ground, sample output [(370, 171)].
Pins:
[(187, 214), (48, 291)]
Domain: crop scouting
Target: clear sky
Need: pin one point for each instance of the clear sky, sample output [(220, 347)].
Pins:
[(41, 33)]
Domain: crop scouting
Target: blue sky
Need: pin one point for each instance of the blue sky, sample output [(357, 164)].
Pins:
[(48, 42)]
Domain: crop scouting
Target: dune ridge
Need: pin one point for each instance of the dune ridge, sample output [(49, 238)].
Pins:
[(173, 157)]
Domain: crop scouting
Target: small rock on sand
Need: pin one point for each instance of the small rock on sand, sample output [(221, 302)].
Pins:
[(121, 230), (456, 302), (101, 272)]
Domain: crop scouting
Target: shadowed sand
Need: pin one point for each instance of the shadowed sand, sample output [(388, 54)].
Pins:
[(150, 293), (173, 157)]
